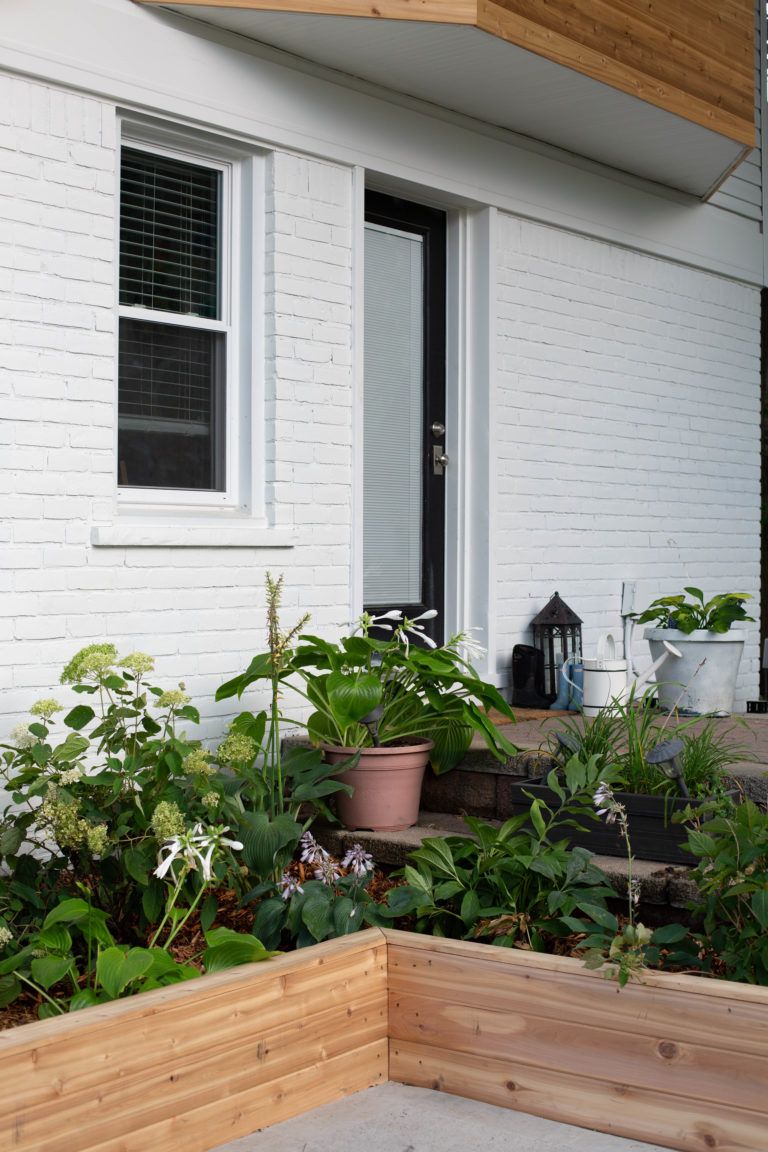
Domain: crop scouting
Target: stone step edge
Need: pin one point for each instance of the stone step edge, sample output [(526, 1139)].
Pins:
[(661, 884)]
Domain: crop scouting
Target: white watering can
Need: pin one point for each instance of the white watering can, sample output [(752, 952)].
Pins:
[(609, 678)]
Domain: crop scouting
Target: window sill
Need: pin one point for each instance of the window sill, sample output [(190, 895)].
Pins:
[(193, 536)]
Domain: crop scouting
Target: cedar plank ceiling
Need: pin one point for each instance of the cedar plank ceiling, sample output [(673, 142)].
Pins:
[(661, 88)]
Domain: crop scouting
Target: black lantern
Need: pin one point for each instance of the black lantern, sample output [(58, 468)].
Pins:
[(557, 635)]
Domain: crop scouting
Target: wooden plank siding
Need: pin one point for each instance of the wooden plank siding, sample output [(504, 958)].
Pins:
[(675, 1061), (200, 1063), (742, 192), (695, 61)]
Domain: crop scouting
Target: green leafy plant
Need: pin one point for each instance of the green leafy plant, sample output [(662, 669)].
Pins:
[(731, 875), (280, 789), (687, 615), (367, 692), (510, 886), (335, 902), (73, 961), (622, 734), (623, 950), (91, 802)]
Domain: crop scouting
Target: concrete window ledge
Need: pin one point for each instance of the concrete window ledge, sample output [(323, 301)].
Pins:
[(191, 536)]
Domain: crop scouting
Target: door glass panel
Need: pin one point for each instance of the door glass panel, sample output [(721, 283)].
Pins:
[(393, 433)]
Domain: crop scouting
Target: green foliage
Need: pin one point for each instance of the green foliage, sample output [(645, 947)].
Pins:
[(366, 692), (90, 806), (509, 886), (731, 874), (687, 615), (622, 734)]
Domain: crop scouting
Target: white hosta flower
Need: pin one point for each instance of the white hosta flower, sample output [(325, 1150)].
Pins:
[(358, 861), (471, 648), (634, 891), (366, 621), (416, 629), (196, 849), (5, 936)]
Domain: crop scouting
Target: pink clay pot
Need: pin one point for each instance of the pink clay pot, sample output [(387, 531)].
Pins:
[(387, 786)]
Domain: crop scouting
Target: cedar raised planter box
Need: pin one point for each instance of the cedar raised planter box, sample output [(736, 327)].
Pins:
[(679, 1061), (654, 836)]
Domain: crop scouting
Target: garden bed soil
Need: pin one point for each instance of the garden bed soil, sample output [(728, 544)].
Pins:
[(674, 1060), (652, 833)]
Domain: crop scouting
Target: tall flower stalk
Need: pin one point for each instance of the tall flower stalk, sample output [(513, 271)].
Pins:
[(627, 949), (280, 644)]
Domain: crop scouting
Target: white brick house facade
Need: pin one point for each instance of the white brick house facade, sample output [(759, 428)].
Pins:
[(619, 433)]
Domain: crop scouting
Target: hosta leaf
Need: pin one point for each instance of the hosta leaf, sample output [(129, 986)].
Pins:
[(116, 969), (316, 917), (10, 988), (55, 938), (759, 904), (49, 970), (352, 697), (233, 949), (263, 838), (67, 912), (85, 998)]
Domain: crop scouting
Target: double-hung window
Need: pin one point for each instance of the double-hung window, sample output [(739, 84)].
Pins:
[(176, 354)]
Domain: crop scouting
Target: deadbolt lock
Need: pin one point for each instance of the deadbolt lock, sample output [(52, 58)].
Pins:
[(438, 430)]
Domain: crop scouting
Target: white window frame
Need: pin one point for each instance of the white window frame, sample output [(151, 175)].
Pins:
[(241, 321)]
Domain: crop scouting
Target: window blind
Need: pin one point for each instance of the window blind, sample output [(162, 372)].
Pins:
[(393, 363), (169, 235)]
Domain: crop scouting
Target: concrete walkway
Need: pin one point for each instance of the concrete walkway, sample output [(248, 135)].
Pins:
[(395, 1118)]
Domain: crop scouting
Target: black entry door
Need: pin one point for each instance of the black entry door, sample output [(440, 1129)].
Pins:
[(404, 400)]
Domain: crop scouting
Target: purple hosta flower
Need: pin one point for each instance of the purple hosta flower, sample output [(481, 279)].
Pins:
[(311, 851), (357, 861), (607, 805), (328, 873), (196, 848), (288, 886)]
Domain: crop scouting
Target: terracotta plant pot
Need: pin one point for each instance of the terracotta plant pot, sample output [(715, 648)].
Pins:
[(387, 786)]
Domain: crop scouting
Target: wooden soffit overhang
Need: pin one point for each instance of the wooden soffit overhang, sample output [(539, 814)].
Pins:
[(662, 89)]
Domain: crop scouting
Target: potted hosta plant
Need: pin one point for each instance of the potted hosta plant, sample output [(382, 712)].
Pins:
[(703, 679), (384, 708)]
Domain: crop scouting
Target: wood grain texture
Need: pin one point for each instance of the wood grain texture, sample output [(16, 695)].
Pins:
[(132, 1074), (695, 61), (622, 1110), (677, 1061), (434, 11)]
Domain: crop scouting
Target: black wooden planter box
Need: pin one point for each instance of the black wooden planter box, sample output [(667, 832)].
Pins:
[(653, 835)]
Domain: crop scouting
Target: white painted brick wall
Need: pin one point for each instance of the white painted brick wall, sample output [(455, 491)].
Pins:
[(627, 428), (200, 611)]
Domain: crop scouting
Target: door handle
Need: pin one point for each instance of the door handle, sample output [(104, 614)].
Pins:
[(439, 460)]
